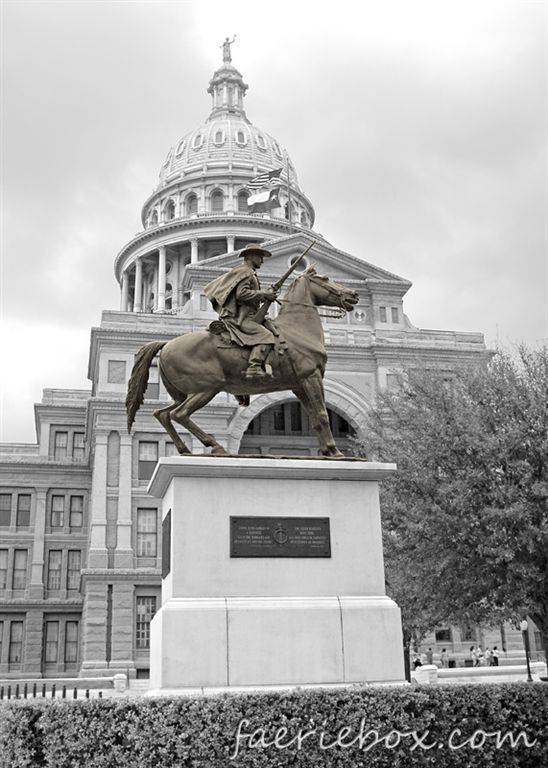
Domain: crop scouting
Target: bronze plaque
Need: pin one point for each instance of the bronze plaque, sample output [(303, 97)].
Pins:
[(279, 537)]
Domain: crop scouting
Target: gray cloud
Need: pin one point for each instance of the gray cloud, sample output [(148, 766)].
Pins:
[(418, 136)]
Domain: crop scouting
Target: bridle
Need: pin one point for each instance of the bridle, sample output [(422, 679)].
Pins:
[(338, 312)]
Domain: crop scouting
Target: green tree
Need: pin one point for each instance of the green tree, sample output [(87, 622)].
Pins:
[(465, 518)]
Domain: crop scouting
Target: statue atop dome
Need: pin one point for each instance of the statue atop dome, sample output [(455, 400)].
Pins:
[(227, 56)]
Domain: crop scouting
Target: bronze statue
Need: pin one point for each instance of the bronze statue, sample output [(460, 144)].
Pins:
[(237, 296), (197, 366), (227, 58)]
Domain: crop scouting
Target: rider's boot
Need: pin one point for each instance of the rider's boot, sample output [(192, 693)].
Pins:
[(257, 357)]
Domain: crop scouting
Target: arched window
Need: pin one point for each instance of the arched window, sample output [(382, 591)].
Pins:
[(191, 205), (197, 141), (180, 147), (261, 142), (242, 202), (219, 138), (241, 138), (217, 201), (170, 210)]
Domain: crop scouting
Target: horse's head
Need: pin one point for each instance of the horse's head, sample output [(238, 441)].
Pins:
[(326, 293)]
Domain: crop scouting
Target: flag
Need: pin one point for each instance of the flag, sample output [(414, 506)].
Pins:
[(263, 201), (263, 179)]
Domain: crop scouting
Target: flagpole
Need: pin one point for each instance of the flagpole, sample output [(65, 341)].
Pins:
[(289, 207)]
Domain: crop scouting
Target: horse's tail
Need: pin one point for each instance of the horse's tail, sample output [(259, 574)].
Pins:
[(138, 380)]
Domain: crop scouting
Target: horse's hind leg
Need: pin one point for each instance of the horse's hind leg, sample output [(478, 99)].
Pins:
[(182, 416), (163, 416)]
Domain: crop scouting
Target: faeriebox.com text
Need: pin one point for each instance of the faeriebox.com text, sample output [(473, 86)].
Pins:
[(365, 739)]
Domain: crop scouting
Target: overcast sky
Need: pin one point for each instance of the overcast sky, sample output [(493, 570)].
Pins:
[(417, 129)]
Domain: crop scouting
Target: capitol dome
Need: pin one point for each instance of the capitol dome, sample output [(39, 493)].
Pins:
[(203, 206)]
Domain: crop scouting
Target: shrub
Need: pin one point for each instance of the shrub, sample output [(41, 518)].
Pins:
[(358, 726)]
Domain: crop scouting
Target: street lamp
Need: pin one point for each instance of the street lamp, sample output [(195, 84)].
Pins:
[(524, 626)]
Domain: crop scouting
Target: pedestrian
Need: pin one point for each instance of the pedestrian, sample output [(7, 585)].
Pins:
[(429, 656), (495, 656), (488, 657), (444, 658)]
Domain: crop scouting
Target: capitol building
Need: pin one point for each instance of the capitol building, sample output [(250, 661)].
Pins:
[(80, 548)]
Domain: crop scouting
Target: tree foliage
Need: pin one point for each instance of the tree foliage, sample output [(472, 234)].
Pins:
[(465, 517)]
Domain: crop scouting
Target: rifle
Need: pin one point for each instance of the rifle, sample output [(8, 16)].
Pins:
[(261, 314)]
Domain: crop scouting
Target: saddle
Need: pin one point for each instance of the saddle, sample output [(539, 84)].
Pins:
[(218, 329)]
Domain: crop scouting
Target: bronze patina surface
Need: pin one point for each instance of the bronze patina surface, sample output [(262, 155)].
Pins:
[(197, 366)]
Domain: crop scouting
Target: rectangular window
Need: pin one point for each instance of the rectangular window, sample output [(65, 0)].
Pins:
[(16, 642), (60, 445), (146, 608), (57, 518), (395, 315), (76, 511), (71, 642), (51, 642), (3, 568), (148, 456), (74, 567), (147, 522), (382, 314), (153, 387), (20, 569), (78, 447), (54, 569), (279, 418), (296, 421), (443, 635), (23, 510), (116, 372), (393, 382), (5, 509)]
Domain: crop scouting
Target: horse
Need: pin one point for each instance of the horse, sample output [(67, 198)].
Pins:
[(197, 366)]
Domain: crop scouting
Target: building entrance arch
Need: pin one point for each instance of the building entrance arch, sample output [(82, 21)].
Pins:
[(277, 424)]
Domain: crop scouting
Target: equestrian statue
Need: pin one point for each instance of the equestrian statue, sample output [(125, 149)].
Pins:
[(246, 353)]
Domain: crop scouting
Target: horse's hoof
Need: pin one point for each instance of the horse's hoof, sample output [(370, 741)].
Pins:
[(218, 451)]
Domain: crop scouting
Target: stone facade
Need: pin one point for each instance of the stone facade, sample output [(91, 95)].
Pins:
[(79, 552)]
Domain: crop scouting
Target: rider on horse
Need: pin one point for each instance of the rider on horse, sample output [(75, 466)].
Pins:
[(237, 296)]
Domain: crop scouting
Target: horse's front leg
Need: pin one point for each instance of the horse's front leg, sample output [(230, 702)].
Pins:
[(311, 394)]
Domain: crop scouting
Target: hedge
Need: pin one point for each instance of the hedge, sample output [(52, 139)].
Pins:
[(446, 726)]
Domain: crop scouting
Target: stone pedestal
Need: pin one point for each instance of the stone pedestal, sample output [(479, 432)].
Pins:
[(276, 620)]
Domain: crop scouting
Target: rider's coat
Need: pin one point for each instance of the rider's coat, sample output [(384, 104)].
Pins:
[(236, 297)]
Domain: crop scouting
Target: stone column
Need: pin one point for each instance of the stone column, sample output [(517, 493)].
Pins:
[(123, 557), (34, 636), (98, 557), (94, 630), (36, 587), (175, 282), (138, 296), (229, 243), (161, 305), (125, 286), (194, 251), (123, 624)]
